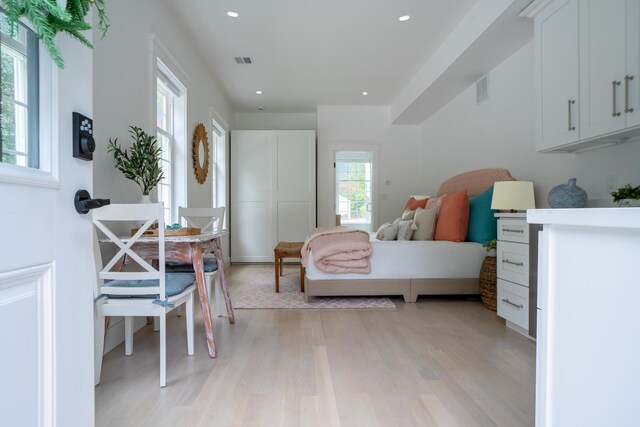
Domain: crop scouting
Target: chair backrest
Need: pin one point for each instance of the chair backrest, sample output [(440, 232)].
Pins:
[(206, 219), (108, 218)]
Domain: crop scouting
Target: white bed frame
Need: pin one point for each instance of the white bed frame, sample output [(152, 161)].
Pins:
[(476, 182)]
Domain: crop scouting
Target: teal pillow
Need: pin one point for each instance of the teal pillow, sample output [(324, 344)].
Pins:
[(483, 225)]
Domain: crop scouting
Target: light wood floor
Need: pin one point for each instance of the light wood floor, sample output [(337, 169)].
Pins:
[(438, 362)]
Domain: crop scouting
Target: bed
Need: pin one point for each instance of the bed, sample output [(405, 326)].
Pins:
[(413, 268)]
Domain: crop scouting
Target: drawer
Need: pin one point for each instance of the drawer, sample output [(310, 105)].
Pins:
[(513, 230), (513, 303), (513, 262)]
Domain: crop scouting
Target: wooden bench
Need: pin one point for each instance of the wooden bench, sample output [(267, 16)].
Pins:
[(287, 250)]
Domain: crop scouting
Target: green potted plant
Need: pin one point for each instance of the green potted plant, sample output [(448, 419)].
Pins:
[(488, 279), (49, 17), (627, 196), (141, 162)]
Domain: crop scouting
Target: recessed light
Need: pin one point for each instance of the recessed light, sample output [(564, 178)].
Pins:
[(232, 14), (365, 93), (404, 18), (259, 92), (260, 108)]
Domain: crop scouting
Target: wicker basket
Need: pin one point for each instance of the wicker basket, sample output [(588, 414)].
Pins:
[(488, 283)]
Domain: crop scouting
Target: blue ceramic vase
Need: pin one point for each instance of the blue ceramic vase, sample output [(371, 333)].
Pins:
[(567, 195)]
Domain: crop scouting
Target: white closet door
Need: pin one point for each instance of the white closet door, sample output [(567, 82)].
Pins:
[(294, 195), (251, 192), (273, 191)]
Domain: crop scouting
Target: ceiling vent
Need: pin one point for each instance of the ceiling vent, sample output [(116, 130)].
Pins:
[(482, 89), (243, 60)]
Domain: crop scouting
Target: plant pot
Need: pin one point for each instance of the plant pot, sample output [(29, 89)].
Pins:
[(629, 203), (488, 283)]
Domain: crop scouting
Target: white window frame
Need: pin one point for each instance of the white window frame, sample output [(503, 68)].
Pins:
[(161, 59), (47, 175), (374, 148), (219, 160)]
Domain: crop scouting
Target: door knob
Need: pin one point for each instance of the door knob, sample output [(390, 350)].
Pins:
[(84, 203)]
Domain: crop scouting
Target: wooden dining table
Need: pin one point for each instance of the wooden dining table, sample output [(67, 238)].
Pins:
[(191, 248)]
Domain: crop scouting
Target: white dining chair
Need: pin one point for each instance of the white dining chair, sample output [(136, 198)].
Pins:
[(150, 291), (207, 220)]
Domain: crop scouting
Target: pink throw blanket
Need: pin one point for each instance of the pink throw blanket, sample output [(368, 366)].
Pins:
[(338, 250)]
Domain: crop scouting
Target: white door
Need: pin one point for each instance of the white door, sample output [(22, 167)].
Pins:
[(46, 268), (251, 190), (273, 191), (557, 78), (602, 67), (632, 76), (354, 188), (294, 191)]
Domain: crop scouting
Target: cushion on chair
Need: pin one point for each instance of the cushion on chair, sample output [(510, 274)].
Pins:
[(210, 265), (175, 283)]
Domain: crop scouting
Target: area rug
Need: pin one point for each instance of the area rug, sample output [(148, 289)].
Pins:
[(261, 294)]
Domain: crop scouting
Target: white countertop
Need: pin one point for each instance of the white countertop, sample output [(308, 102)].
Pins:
[(591, 217)]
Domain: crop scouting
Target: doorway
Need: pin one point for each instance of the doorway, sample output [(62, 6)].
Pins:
[(354, 197)]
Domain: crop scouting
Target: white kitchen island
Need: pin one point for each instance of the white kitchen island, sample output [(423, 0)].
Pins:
[(588, 347)]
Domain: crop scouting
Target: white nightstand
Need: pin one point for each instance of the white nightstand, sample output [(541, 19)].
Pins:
[(513, 270)]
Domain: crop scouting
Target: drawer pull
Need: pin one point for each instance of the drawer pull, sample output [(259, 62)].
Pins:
[(627, 109), (614, 113), (518, 306), (511, 230), (508, 261), (569, 103)]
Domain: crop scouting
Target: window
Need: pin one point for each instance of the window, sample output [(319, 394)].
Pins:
[(217, 157), (19, 78), (354, 172), (170, 119)]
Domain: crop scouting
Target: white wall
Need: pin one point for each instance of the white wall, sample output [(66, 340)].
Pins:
[(398, 160), (275, 121), (122, 70), (500, 133), (122, 97)]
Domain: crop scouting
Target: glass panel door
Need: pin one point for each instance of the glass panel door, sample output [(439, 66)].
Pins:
[(354, 172)]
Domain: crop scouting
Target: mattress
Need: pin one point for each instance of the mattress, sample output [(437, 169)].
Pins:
[(414, 259)]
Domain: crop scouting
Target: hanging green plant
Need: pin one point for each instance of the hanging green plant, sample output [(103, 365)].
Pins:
[(49, 18)]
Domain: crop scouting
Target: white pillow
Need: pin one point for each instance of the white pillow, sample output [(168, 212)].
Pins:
[(408, 214), (387, 231), (405, 230), (425, 220)]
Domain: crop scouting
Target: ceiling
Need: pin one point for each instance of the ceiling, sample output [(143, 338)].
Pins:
[(317, 52)]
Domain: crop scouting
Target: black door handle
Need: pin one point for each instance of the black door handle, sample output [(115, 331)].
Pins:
[(84, 203)]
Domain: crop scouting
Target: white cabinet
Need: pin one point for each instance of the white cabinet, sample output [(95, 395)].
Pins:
[(273, 191), (587, 59), (557, 88), (609, 46), (513, 271), (587, 370)]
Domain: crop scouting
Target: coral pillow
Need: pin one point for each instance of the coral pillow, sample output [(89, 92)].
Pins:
[(414, 204), (453, 218)]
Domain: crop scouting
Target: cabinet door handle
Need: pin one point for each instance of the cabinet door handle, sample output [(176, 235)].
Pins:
[(508, 261), (613, 90), (569, 103), (506, 300), (627, 79), (511, 230)]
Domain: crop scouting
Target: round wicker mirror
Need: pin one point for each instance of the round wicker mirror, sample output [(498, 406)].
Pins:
[(201, 153)]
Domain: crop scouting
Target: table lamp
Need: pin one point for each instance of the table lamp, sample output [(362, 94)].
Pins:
[(513, 196)]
